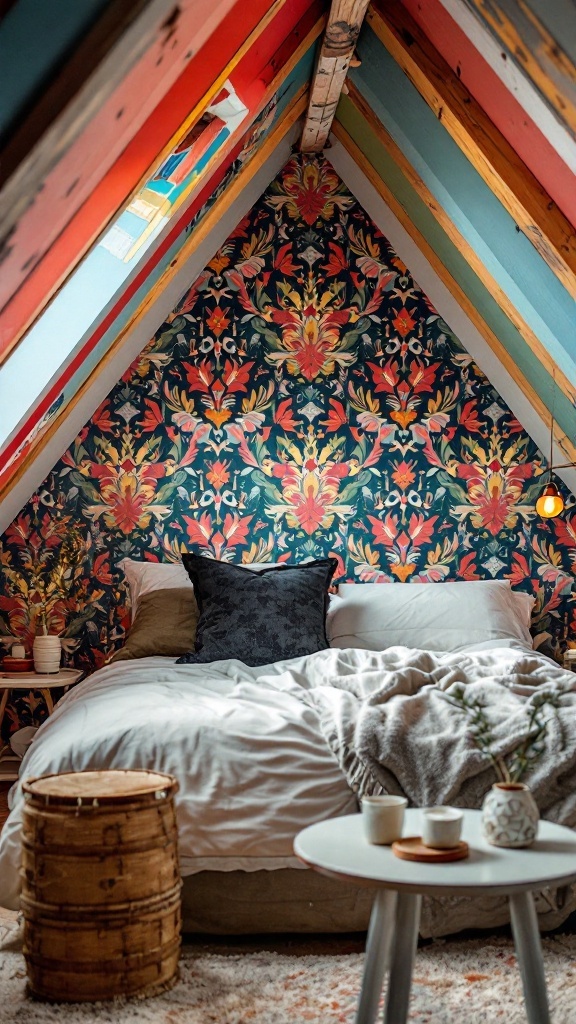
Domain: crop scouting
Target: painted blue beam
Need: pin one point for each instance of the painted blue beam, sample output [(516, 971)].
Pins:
[(478, 214), (457, 266)]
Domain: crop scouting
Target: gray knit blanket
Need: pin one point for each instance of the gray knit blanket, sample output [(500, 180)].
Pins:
[(395, 731)]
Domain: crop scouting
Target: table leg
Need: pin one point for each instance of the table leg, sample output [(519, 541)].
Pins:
[(529, 951), (378, 945), (48, 698), (403, 955), (3, 702)]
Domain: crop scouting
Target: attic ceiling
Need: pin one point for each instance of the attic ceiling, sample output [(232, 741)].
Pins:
[(132, 130)]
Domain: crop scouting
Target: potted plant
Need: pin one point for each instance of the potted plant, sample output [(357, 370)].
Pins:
[(55, 575), (510, 815)]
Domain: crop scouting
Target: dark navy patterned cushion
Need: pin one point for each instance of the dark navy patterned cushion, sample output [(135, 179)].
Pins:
[(258, 617)]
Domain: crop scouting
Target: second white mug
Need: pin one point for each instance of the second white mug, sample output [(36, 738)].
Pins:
[(441, 827)]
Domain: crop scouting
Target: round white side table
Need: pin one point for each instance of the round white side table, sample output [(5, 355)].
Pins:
[(337, 848)]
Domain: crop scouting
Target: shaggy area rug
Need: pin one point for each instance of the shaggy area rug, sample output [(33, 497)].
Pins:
[(473, 981)]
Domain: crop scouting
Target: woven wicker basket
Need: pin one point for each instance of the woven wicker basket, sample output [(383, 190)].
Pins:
[(100, 885)]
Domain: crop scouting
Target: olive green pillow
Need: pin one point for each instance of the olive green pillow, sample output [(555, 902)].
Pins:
[(165, 624)]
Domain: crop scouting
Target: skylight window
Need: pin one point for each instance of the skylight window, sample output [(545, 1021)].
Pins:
[(91, 291)]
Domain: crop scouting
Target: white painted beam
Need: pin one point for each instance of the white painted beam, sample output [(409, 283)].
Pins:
[(344, 23)]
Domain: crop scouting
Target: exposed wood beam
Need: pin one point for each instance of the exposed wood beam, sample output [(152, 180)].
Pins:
[(344, 23), (534, 211), (199, 235), (541, 57), (562, 440), (464, 246)]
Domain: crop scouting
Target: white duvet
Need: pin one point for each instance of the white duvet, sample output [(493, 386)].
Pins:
[(246, 745), (252, 765)]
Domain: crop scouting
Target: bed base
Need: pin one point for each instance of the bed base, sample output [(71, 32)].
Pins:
[(287, 900)]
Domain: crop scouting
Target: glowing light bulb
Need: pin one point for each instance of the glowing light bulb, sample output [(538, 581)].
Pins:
[(550, 503)]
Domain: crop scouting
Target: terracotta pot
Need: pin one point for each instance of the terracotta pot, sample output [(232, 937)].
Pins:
[(510, 815), (47, 652)]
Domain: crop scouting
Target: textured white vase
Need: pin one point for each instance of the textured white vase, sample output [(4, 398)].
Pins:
[(47, 651), (509, 815)]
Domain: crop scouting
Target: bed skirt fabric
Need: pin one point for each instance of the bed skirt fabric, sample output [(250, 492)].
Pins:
[(292, 901)]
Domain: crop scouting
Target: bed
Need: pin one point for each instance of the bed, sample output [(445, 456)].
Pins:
[(262, 751)]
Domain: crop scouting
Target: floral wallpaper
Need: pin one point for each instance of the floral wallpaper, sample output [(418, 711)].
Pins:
[(304, 399)]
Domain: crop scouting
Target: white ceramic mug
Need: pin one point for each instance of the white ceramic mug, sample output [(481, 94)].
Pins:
[(383, 817), (441, 827)]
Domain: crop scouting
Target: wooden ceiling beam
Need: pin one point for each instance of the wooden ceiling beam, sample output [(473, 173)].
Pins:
[(344, 23), (541, 57), (534, 212)]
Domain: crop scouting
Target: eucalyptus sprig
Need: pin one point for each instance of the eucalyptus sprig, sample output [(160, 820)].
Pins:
[(528, 753)]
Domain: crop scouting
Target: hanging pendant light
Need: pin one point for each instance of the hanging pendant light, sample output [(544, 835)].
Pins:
[(550, 503)]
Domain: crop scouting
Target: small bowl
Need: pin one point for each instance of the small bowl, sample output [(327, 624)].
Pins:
[(11, 664)]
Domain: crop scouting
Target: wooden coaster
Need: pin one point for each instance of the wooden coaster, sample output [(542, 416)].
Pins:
[(412, 848)]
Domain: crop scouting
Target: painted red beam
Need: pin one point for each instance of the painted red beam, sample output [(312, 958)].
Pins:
[(256, 78), (71, 167), (58, 240), (498, 102)]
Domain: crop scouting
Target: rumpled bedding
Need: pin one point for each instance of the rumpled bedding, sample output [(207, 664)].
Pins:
[(394, 731), (261, 753)]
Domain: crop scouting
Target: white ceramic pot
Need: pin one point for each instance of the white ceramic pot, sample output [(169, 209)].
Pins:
[(47, 651), (509, 815)]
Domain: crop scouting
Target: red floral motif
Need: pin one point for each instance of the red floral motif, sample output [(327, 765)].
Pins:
[(309, 192), (403, 322), (218, 321), (403, 474)]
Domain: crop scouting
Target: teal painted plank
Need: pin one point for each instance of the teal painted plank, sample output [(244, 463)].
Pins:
[(35, 37), (482, 220), (540, 380)]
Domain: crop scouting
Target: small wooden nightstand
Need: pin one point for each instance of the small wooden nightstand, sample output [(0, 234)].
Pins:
[(10, 681)]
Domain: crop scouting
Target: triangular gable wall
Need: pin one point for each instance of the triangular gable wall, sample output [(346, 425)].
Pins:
[(303, 399)]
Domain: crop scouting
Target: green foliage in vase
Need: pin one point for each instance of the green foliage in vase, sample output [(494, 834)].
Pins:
[(528, 752)]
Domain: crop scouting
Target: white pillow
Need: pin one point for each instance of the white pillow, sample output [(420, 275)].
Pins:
[(144, 577), (523, 604), (428, 616)]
